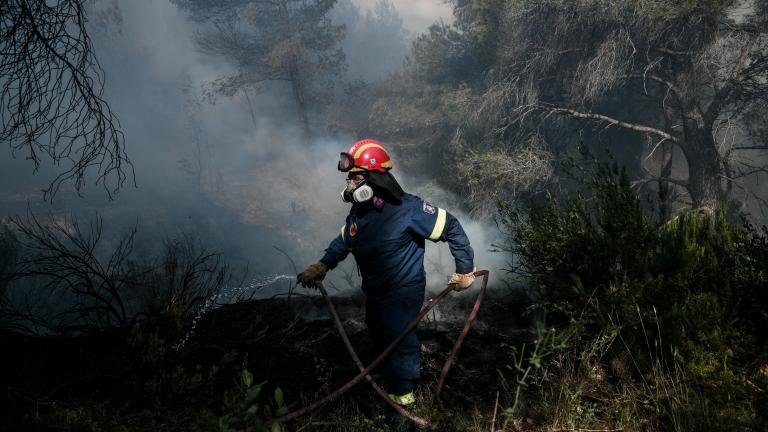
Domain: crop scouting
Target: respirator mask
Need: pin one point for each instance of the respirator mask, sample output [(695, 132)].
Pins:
[(356, 193)]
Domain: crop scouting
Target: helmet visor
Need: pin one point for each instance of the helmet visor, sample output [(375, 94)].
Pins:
[(346, 162)]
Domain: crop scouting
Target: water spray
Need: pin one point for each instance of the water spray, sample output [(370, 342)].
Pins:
[(228, 295)]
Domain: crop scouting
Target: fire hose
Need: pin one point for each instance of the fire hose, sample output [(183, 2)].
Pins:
[(365, 371)]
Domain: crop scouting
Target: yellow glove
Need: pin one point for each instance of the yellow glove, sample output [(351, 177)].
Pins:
[(313, 274), (461, 282)]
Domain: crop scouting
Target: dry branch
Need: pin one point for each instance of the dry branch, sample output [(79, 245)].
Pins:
[(51, 102), (611, 121)]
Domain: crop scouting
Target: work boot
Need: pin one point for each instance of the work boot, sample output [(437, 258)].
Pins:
[(397, 422)]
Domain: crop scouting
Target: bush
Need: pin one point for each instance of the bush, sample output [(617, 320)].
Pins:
[(688, 292), (242, 411)]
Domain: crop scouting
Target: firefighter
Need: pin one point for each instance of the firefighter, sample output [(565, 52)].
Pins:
[(385, 231)]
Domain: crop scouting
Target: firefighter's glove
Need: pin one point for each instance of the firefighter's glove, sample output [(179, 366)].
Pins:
[(460, 282), (312, 275)]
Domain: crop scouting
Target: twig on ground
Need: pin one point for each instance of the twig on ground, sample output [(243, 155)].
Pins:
[(495, 409), (588, 430)]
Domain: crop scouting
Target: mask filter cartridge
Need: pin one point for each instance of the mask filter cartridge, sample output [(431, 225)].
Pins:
[(357, 194)]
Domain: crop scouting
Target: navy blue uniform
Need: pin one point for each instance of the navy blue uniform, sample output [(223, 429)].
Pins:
[(387, 241)]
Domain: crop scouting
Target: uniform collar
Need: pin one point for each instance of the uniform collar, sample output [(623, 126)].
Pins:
[(376, 203)]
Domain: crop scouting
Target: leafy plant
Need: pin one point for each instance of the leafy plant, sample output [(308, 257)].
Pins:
[(245, 413)]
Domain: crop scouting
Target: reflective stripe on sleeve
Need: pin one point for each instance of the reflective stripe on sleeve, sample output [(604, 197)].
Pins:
[(342, 231), (405, 399), (437, 231)]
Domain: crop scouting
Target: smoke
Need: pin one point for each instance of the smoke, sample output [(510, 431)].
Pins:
[(417, 15), (237, 174), (438, 261)]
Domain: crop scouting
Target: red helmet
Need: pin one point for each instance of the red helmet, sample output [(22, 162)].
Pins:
[(365, 155)]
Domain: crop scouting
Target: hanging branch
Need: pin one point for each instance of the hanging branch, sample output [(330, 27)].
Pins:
[(51, 102)]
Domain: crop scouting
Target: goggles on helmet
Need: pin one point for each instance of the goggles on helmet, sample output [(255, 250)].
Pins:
[(346, 162)]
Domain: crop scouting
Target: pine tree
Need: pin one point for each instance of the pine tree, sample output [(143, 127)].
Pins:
[(291, 41)]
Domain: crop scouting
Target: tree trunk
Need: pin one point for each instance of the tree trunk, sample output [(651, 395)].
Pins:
[(665, 189), (704, 173), (298, 95), (295, 77)]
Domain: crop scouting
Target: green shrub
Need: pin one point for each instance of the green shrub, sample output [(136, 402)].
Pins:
[(244, 411), (688, 292)]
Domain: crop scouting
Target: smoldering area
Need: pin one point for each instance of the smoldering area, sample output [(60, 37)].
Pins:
[(234, 175)]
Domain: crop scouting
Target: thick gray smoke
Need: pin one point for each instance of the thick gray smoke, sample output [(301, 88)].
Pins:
[(236, 174)]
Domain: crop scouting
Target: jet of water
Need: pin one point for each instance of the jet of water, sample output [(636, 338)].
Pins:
[(228, 295)]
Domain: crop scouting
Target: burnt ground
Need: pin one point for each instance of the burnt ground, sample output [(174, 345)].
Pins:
[(135, 377), (296, 345)]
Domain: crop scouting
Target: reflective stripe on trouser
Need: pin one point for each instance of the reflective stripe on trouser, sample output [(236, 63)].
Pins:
[(405, 399), (386, 321)]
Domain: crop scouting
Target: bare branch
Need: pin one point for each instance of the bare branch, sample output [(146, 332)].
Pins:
[(51, 94), (750, 148), (612, 121), (677, 182), (672, 87), (763, 203), (722, 96), (674, 52), (65, 258)]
